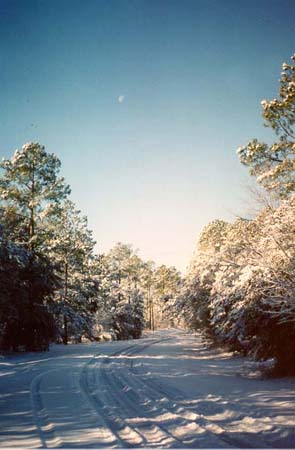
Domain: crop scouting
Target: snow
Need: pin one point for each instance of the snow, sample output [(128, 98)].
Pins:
[(169, 389)]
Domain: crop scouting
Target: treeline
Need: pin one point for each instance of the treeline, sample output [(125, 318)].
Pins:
[(240, 286), (53, 287)]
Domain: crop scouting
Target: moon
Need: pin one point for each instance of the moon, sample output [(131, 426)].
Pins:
[(121, 98)]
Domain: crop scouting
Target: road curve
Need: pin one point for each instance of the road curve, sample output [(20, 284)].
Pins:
[(167, 390)]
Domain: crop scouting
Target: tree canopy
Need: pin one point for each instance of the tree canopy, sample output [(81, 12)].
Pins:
[(274, 164)]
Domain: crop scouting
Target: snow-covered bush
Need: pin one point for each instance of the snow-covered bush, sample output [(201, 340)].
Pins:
[(250, 285)]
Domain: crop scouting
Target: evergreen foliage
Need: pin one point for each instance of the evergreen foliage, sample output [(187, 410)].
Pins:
[(53, 286), (274, 165), (240, 286), (27, 286), (126, 291)]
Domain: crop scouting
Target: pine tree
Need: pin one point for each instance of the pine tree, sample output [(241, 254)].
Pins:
[(30, 191), (27, 285), (126, 293), (274, 165), (71, 247), (167, 284)]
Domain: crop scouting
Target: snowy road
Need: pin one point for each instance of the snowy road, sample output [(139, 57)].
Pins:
[(166, 390)]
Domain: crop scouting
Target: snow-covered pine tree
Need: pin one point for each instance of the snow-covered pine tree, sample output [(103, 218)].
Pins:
[(243, 285), (147, 283), (274, 165), (30, 191), (126, 293), (71, 247), (167, 285), (27, 284)]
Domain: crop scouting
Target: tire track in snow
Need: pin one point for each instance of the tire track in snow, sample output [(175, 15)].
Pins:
[(130, 408), (46, 430), (127, 399), (107, 401), (124, 394), (183, 429), (41, 419), (145, 394), (89, 387), (114, 427)]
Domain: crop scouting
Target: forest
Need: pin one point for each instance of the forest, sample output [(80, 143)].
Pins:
[(54, 287), (239, 289)]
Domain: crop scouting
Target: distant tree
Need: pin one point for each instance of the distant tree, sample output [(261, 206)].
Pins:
[(126, 291), (167, 284), (147, 283), (274, 165)]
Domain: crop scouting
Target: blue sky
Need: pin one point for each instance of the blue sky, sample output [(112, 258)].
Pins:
[(153, 169)]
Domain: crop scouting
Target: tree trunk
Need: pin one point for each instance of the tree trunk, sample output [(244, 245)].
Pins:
[(149, 303), (32, 211), (152, 316), (65, 336)]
